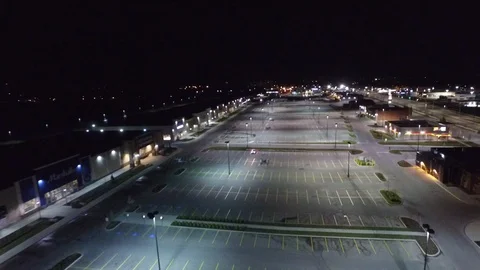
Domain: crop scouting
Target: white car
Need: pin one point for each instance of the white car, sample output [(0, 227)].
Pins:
[(253, 152)]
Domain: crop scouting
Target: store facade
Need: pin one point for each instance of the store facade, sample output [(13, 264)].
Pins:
[(58, 180)]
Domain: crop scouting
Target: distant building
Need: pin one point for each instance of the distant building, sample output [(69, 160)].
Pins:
[(417, 129), (437, 95), (386, 112), (453, 166)]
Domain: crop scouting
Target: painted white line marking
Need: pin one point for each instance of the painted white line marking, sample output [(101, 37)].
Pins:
[(248, 192), (219, 192), (349, 197), (238, 192), (360, 197), (338, 195)]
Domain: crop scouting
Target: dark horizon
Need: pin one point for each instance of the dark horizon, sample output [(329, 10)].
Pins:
[(149, 46)]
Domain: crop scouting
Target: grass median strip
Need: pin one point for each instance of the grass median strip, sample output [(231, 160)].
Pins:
[(102, 189), (365, 162), (403, 163), (283, 224), (391, 197), (26, 232), (272, 149), (66, 262), (381, 135)]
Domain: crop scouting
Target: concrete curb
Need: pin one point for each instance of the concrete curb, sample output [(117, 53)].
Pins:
[(68, 267), (76, 212)]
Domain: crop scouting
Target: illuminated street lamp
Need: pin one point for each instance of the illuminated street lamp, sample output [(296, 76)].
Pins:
[(152, 216), (429, 232), (251, 132), (327, 126), (348, 161), (246, 132), (336, 125), (228, 155)]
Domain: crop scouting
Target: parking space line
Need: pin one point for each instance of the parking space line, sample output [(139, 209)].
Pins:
[(239, 213), (241, 239), (200, 190), (145, 233), (246, 175), (341, 179), (348, 220), (218, 192), (326, 165), (356, 244), (161, 236), (238, 174), (248, 192), (168, 266), (246, 160), (250, 216), (216, 267), (358, 177), (198, 173), (233, 266), (201, 265), (304, 177), (406, 251), (120, 266), (296, 176), (185, 266), (368, 177), (371, 197), (296, 192), (216, 213), (349, 197), (276, 197), (228, 213), (263, 175), (308, 200), (361, 221), (341, 244), (266, 196), (318, 164), (271, 175), (238, 192), (388, 222), (331, 177), (194, 211), (313, 177), (228, 238), (209, 191), (323, 179), (256, 195), (109, 261), (213, 241), (253, 161), (286, 198), (188, 237), (360, 197), (223, 172), (130, 229), (335, 219), (388, 247), (182, 189), (173, 239), (86, 267), (204, 213), (374, 221), (213, 176), (371, 244), (154, 263), (254, 175), (261, 218), (139, 263), (191, 190), (201, 237), (310, 218), (318, 199), (338, 195), (269, 237), (228, 193), (326, 243), (255, 241), (328, 197)]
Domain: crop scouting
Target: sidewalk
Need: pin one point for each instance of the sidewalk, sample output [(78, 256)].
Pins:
[(67, 212)]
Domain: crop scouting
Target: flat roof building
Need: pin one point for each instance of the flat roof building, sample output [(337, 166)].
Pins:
[(417, 129), (453, 166)]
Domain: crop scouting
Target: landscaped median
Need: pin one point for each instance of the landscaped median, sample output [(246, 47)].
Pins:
[(424, 143), (380, 233), (104, 188), (66, 262), (403, 163), (381, 135), (19, 236), (391, 197), (364, 162), (273, 149)]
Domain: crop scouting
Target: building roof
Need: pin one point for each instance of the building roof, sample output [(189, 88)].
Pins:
[(385, 106), (22, 157), (414, 123)]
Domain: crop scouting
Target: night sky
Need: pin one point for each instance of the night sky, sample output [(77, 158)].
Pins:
[(151, 45)]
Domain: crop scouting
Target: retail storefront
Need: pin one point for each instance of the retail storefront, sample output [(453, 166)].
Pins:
[(57, 180)]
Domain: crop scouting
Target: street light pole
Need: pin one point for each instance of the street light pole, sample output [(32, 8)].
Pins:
[(348, 161), (151, 215), (336, 135), (251, 132), (327, 126), (246, 132), (228, 155), (418, 139), (429, 231)]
